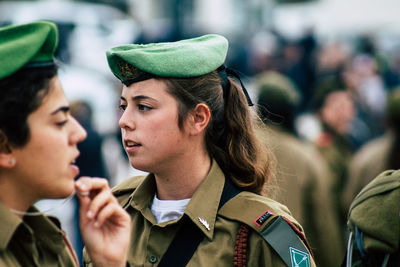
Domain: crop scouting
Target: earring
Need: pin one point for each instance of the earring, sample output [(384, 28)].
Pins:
[(11, 161)]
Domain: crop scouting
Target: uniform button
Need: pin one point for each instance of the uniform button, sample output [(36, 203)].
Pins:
[(152, 259)]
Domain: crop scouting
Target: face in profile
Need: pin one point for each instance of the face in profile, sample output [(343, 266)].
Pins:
[(149, 123), (45, 165)]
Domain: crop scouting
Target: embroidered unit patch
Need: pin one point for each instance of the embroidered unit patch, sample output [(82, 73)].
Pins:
[(299, 258), (260, 220)]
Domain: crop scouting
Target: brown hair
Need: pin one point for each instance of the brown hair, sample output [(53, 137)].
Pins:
[(230, 135), (20, 95)]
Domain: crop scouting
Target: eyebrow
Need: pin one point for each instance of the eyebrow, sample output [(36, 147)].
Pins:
[(138, 97), (64, 109)]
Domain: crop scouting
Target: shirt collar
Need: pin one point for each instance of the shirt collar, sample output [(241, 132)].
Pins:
[(142, 197), (9, 223), (202, 208), (46, 229), (42, 227)]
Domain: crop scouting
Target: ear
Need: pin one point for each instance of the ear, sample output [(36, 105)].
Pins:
[(7, 159), (200, 118)]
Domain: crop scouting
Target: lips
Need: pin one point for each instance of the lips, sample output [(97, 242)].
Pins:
[(74, 158), (131, 146), (75, 169)]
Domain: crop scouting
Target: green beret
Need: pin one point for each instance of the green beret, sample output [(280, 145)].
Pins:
[(25, 44), (185, 58)]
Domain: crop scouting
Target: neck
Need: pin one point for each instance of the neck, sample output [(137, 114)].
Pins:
[(12, 197), (182, 180)]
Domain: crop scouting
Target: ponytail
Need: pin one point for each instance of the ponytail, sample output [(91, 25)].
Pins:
[(230, 135)]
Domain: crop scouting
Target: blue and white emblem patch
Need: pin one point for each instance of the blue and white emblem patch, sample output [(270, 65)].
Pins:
[(299, 258)]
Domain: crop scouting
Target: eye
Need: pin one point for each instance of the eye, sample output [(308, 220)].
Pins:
[(122, 107), (61, 123), (143, 107)]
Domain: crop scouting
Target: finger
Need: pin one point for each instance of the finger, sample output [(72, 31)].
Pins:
[(86, 185), (112, 213), (81, 188), (84, 203), (102, 199)]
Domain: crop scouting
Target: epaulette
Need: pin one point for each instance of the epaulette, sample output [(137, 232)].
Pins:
[(274, 223), (123, 190)]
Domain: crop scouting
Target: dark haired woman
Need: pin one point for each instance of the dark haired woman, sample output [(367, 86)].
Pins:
[(38, 148)]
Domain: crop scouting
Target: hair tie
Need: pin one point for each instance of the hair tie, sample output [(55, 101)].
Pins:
[(224, 72)]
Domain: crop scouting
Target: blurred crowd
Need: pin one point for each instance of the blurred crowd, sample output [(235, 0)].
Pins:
[(332, 110)]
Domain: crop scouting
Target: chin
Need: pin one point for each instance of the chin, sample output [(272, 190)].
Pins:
[(140, 166), (64, 191)]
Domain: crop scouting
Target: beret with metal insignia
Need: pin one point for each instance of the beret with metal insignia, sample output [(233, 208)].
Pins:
[(186, 58), (31, 44)]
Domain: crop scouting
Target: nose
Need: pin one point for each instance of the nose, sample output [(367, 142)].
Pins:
[(126, 121), (78, 132)]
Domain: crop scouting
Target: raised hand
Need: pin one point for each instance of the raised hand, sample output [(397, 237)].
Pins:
[(105, 226)]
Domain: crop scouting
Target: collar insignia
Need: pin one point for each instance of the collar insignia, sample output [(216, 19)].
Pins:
[(205, 223)]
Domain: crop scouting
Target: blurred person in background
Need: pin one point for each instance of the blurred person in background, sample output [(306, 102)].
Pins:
[(38, 149), (188, 123), (90, 160), (378, 155), (374, 225), (303, 174), (369, 94), (335, 109)]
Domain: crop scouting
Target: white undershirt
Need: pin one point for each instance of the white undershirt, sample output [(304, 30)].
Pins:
[(167, 210)]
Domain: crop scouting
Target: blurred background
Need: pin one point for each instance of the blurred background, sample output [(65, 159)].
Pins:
[(322, 47)]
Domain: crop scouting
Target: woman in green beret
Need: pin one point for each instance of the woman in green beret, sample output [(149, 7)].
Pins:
[(38, 148), (186, 120)]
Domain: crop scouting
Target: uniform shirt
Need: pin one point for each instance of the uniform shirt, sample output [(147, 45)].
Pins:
[(369, 161), (150, 240), (34, 241), (337, 152)]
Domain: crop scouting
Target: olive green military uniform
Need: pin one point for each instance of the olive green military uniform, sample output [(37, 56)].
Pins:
[(366, 164), (34, 241), (378, 154), (220, 227), (337, 152), (304, 181), (374, 224)]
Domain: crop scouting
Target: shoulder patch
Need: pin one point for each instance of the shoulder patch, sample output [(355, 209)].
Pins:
[(274, 223), (263, 218), (286, 243), (254, 210)]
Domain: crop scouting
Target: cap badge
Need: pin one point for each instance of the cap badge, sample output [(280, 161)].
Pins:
[(128, 71), (205, 223)]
